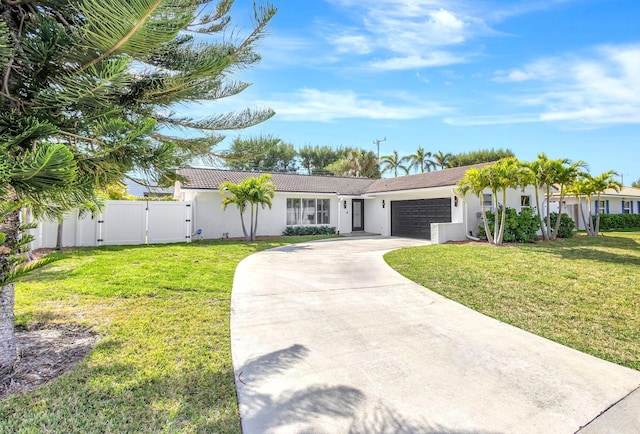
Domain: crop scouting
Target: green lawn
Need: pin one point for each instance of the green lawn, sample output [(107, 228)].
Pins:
[(583, 292), (163, 362)]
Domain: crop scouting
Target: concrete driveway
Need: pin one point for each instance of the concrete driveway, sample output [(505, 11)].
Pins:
[(326, 338)]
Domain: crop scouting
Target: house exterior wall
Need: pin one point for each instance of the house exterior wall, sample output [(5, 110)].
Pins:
[(215, 223)]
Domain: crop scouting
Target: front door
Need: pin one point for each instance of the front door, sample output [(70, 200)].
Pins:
[(357, 215)]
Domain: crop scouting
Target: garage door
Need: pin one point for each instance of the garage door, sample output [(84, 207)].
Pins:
[(413, 218)]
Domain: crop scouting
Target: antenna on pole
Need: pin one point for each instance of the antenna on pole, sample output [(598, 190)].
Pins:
[(377, 143)]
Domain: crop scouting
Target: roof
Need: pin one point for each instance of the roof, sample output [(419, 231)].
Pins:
[(624, 192), (210, 179), (441, 178)]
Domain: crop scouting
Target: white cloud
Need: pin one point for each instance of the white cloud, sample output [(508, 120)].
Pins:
[(436, 58), (468, 121), (326, 106), (598, 87)]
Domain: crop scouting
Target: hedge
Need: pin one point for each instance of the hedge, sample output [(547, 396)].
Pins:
[(618, 221), (309, 230)]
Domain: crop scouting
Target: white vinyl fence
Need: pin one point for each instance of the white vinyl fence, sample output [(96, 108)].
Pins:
[(121, 222)]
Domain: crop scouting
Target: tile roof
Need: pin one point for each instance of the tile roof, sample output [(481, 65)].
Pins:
[(210, 179), (440, 178)]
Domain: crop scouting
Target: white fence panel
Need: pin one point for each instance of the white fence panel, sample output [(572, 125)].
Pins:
[(168, 222), (123, 222)]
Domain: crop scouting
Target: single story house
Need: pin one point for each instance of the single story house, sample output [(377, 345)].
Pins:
[(422, 206), (625, 201)]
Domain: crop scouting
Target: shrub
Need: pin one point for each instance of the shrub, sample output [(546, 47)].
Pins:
[(518, 227), (618, 221), (309, 230), (567, 225)]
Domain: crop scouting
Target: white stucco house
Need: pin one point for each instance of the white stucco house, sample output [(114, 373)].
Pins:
[(422, 206), (625, 201)]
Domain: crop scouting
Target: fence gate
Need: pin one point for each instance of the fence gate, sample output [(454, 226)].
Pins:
[(121, 222)]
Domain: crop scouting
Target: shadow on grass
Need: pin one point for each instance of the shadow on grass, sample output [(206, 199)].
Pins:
[(304, 409), (618, 249)]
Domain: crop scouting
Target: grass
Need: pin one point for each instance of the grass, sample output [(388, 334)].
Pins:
[(163, 363), (583, 292)]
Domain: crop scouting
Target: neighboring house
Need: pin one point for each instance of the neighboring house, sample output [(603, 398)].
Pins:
[(626, 201), (138, 190), (420, 206)]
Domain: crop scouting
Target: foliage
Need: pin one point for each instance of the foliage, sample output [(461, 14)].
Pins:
[(441, 159), (309, 230), (582, 292), (566, 227), (421, 161), (163, 361), (262, 153), (255, 192), (480, 156), (393, 162), (498, 177), (88, 88), (618, 221), (636, 183), (355, 163), (117, 191), (316, 158), (520, 227)]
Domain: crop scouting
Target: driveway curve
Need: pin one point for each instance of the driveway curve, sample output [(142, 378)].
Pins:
[(327, 338)]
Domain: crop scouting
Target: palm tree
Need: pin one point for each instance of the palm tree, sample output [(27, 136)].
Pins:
[(441, 159), (256, 192), (475, 182), (564, 174), (601, 183), (498, 177), (540, 176), (394, 162), (421, 160), (583, 188)]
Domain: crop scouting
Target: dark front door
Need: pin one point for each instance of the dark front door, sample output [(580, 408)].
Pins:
[(357, 214), (413, 218)]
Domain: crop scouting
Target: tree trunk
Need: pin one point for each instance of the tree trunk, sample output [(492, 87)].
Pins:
[(557, 225), (59, 234), (540, 217), (255, 227), (548, 203), (244, 228), (8, 352)]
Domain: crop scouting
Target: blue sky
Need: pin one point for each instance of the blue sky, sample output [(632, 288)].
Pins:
[(560, 77)]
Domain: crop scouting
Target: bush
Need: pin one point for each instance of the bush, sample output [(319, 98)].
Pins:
[(518, 227), (309, 230), (567, 225), (618, 221)]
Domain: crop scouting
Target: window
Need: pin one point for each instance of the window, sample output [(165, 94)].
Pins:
[(602, 207), (323, 211), (487, 200), (525, 201), (308, 211), (626, 207)]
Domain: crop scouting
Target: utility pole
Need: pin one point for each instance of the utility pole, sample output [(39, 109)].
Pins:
[(377, 143)]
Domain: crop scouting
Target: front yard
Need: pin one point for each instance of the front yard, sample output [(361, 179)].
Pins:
[(582, 292), (163, 361)]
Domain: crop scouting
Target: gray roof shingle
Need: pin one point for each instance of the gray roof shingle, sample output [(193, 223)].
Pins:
[(210, 179)]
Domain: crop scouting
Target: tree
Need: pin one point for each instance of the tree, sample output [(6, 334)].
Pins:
[(315, 159), (598, 185), (636, 183), (564, 174), (441, 159), (504, 174), (97, 77), (540, 175), (421, 160), (262, 153), (255, 192), (394, 162), (358, 163), (477, 157)]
